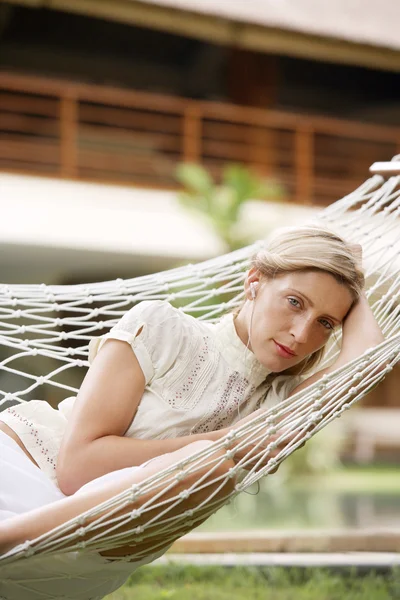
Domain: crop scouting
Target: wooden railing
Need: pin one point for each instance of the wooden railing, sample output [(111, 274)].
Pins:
[(97, 133)]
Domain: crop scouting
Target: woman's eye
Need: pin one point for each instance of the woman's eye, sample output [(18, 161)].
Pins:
[(294, 302), (326, 324)]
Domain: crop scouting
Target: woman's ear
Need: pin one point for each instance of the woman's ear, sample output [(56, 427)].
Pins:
[(251, 283), (253, 289)]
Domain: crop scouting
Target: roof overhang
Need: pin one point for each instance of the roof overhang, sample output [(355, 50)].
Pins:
[(267, 35)]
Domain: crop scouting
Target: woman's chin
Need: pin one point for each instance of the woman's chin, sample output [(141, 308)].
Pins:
[(275, 366)]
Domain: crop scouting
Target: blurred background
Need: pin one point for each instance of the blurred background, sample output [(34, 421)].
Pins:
[(117, 118)]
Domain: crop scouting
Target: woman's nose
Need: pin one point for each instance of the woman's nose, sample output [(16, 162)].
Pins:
[(301, 330)]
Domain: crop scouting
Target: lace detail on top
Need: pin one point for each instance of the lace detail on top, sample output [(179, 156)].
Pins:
[(182, 397), (32, 431), (235, 393)]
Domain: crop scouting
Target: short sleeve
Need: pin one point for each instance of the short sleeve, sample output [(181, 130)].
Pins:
[(154, 332), (280, 389)]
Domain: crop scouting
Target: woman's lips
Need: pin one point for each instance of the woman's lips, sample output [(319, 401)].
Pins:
[(284, 351)]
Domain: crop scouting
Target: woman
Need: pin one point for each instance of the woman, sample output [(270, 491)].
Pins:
[(162, 384)]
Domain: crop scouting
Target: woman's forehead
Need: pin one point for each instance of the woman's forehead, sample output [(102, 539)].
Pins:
[(311, 279)]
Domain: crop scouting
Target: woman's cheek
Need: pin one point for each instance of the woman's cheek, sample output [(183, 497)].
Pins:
[(320, 342)]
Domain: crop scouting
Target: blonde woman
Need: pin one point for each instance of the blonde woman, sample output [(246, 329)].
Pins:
[(162, 384)]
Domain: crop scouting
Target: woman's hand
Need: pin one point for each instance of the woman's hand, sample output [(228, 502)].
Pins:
[(360, 331)]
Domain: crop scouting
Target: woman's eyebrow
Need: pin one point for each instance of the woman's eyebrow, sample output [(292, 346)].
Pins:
[(311, 303)]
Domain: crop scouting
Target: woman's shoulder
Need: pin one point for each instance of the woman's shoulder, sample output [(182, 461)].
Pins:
[(150, 307), (159, 312), (158, 322), (281, 386)]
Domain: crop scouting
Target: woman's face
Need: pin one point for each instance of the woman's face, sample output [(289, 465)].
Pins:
[(293, 316)]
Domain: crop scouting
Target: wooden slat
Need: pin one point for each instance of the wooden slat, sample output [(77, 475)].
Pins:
[(29, 105), (148, 181), (34, 151), (304, 164), (228, 132), (130, 118), (123, 163), (335, 163), (261, 148), (225, 150), (281, 120), (192, 128), (21, 167), (216, 131), (131, 99), (27, 84), (337, 187), (69, 135), (348, 149), (106, 137), (40, 126)]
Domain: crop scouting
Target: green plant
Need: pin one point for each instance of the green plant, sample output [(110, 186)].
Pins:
[(221, 203)]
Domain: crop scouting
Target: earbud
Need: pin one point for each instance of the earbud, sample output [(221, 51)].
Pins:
[(253, 289)]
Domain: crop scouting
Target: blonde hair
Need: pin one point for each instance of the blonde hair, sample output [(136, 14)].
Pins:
[(311, 248)]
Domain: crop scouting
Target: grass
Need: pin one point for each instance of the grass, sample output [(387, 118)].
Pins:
[(178, 582), (183, 582)]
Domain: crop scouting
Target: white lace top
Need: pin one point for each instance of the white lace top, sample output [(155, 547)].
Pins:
[(199, 377)]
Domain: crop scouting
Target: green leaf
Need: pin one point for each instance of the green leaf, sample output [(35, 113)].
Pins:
[(241, 180), (223, 203), (195, 179), (223, 200)]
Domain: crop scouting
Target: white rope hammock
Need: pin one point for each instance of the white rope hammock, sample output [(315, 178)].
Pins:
[(54, 324)]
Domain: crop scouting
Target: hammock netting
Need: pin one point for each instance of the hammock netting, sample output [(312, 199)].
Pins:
[(44, 336)]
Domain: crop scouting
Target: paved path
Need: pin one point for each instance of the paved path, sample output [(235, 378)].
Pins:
[(363, 560), (372, 540)]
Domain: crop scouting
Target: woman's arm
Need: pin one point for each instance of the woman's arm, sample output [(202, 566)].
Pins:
[(360, 332), (93, 443)]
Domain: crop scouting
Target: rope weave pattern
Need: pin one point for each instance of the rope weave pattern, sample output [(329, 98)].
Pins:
[(56, 323)]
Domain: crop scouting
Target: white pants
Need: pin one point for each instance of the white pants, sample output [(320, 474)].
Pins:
[(23, 486)]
